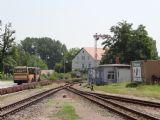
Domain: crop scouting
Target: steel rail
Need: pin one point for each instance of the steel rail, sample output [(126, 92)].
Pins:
[(17, 106), (129, 100), (114, 106), (26, 99)]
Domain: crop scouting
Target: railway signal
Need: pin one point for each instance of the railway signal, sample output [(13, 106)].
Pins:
[(96, 38)]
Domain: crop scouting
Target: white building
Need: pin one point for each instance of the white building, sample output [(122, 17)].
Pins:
[(85, 58), (110, 73)]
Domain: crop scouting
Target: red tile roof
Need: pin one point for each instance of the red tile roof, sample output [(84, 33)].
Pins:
[(91, 51)]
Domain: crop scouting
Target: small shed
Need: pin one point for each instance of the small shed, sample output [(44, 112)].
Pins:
[(143, 70), (112, 73)]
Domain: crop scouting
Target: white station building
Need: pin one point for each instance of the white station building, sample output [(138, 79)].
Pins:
[(85, 58)]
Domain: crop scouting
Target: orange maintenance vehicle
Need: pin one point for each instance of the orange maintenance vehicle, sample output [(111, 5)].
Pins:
[(24, 74)]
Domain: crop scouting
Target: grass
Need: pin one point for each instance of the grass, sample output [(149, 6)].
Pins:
[(140, 90), (67, 113), (65, 110)]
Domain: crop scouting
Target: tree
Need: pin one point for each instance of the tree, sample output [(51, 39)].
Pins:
[(24, 58), (58, 67), (69, 56), (129, 44), (49, 50), (67, 60), (6, 43)]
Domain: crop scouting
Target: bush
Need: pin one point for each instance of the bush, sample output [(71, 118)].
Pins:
[(57, 76), (1, 75), (77, 79), (43, 77), (54, 76), (6, 76), (73, 74), (134, 84), (67, 75)]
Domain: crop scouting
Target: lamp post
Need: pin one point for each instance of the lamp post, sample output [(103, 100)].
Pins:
[(63, 62), (34, 47), (46, 59), (36, 53)]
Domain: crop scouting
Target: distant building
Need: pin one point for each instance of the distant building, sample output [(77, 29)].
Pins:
[(143, 70), (109, 73), (85, 58), (47, 72)]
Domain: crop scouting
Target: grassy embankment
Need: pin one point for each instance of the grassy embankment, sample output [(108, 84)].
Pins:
[(139, 90)]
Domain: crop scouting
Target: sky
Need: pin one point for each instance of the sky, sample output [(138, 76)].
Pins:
[(74, 22)]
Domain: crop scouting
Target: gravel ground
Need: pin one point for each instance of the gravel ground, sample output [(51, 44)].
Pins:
[(48, 108), (14, 97), (89, 111)]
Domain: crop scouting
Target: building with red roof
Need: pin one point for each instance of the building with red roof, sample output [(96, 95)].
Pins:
[(85, 58)]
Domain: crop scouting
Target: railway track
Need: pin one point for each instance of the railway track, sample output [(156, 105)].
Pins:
[(17, 106), (129, 100), (113, 106)]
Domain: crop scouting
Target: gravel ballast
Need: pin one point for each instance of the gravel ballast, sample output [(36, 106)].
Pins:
[(48, 108)]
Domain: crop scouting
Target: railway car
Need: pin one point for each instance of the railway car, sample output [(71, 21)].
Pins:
[(24, 74)]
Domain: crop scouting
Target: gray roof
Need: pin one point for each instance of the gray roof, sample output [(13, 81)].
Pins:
[(114, 65)]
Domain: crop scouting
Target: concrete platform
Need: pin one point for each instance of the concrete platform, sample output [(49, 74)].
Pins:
[(5, 84)]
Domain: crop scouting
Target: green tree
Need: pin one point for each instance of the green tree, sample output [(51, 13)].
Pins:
[(58, 67), (23, 58), (35, 61), (49, 50), (69, 56), (129, 44), (67, 60), (6, 43)]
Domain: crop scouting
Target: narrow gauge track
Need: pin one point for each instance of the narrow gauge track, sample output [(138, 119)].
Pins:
[(114, 107), (129, 100), (17, 106)]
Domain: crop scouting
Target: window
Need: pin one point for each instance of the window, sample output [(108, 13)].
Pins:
[(20, 70), (83, 57), (31, 71), (89, 65), (110, 75), (77, 57), (82, 65), (88, 57)]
